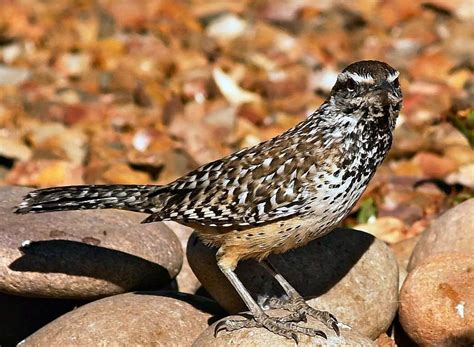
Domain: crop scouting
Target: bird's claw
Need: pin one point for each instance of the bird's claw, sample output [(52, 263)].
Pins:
[(299, 305), (284, 326)]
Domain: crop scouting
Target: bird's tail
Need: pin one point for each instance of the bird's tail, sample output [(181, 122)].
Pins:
[(126, 197)]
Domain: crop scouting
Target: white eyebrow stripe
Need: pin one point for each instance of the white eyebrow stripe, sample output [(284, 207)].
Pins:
[(358, 78), (393, 76)]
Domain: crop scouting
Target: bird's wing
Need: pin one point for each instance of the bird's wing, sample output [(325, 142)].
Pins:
[(253, 186)]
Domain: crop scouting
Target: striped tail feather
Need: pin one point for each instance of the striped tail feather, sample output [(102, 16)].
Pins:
[(84, 197)]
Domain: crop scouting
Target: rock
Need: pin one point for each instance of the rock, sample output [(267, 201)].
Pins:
[(131, 319), (388, 229), (403, 250), (261, 337), (187, 280), (13, 76), (437, 301), (82, 254), (13, 325), (14, 149), (384, 341), (347, 272), (451, 232)]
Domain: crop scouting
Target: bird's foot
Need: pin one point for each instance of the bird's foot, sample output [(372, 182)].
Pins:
[(285, 326), (297, 304)]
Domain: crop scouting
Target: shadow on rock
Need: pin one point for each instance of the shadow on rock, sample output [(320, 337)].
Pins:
[(312, 270), (80, 259), (14, 326)]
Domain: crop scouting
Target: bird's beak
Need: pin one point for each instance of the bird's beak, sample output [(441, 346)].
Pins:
[(386, 91), (385, 87)]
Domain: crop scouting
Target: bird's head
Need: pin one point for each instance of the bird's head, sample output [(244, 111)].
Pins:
[(369, 85)]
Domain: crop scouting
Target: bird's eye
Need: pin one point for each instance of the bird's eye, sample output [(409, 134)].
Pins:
[(351, 85)]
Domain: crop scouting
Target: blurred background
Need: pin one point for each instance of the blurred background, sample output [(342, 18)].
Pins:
[(144, 91)]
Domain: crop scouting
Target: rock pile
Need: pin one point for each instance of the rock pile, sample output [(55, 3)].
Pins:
[(101, 277)]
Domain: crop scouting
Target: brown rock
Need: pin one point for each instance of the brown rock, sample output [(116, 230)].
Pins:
[(437, 301), (82, 254), (347, 272), (403, 250), (434, 165), (186, 279), (261, 337), (384, 341), (141, 318), (451, 232)]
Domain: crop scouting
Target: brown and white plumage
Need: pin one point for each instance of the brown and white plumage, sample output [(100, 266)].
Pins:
[(274, 196)]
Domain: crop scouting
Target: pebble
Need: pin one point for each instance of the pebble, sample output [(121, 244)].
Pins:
[(437, 301), (403, 250), (453, 231), (133, 319), (347, 272), (13, 76), (82, 254)]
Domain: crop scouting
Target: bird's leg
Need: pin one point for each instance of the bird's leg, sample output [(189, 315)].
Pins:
[(284, 326), (296, 302)]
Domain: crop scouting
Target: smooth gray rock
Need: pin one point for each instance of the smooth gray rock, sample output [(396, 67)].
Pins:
[(82, 254), (132, 319)]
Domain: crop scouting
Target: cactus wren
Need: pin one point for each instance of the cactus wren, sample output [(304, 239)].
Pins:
[(273, 197)]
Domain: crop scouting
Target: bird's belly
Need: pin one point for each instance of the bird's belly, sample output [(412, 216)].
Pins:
[(325, 212), (279, 237)]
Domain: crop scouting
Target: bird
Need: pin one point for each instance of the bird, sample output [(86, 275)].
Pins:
[(272, 197)]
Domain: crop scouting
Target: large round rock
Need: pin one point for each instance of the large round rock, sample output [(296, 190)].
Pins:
[(347, 272), (451, 232), (437, 301), (82, 254), (261, 337), (132, 319)]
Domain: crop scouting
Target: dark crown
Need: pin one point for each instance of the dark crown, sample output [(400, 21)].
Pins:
[(376, 69)]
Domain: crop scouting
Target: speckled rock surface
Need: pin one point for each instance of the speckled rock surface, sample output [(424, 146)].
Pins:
[(131, 319), (82, 254), (437, 301), (348, 273), (451, 232), (260, 337)]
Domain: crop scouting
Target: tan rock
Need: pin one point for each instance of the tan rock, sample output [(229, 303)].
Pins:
[(82, 254), (261, 337), (434, 165), (437, 301), (403, 250), (348, 273), (187, 280), (384, 341), (451, 232), (141, 318)]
